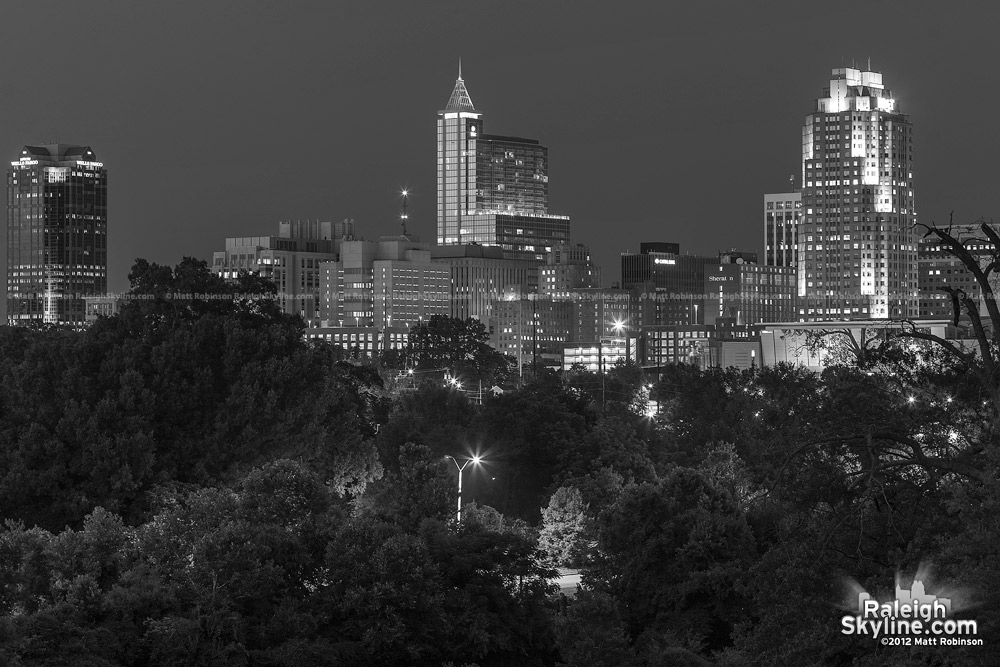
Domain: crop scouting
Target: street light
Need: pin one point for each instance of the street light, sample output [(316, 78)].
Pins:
[(474, 459), (619, 326)]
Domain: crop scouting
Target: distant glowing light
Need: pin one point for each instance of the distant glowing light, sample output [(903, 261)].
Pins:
[(911, 399)]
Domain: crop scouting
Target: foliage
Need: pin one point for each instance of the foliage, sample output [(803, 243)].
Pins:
[(270, 572), (564, 522), (419, 488), (698, 531), (172, 392), (460, 346), (523, 454)]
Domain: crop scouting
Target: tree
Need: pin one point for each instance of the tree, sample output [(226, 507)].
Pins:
[(672, 555), (563, 536), (419, 488), (523, 453), (460, 346), (165, 394)]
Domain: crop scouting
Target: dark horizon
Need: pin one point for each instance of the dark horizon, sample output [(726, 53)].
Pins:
[(663, 123)]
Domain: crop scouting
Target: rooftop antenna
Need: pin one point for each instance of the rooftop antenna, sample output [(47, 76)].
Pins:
[(460, 68), (791, 182), (403, 216)]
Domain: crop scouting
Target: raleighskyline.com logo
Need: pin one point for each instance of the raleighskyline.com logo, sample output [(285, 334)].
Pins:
[(914, 617)]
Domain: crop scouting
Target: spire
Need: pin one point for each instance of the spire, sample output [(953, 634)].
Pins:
[(460, 100)]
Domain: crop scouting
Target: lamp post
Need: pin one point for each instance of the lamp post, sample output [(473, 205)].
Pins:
[(619, 326), (474, 459)]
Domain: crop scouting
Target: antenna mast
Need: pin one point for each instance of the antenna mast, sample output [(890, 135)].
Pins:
[(403, 216)]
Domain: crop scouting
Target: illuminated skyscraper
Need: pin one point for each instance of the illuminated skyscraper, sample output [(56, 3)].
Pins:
[(57, 234), (458, 128), (857, 256), (492, 189)]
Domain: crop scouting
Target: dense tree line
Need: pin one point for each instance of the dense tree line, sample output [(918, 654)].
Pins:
[(179, 389), (191, 483)]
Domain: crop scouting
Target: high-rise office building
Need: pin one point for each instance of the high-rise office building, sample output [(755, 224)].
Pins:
[(857, 251), (57, 234), (492, 189)]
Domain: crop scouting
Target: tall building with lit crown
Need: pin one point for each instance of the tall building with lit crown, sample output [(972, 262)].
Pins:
[(857, 250), (57, 234), (492, 189)]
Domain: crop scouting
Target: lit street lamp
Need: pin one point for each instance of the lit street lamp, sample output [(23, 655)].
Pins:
[(474, 459), (619, 326)]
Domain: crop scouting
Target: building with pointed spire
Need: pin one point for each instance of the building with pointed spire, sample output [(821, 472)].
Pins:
[(491, 189), (857, 251)]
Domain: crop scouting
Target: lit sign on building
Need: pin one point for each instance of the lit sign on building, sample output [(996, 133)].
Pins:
[(660, 260)]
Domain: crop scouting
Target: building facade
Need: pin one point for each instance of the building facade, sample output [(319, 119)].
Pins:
[(789, 342), (857, 256), (383, 284), (481, 276), (782, 213), (669, 286), (680, 344), (363, 342), (940, 270), (595, 357), (512, 175), (532, 329), (315, 230), (604, 312), (567, 269), (292, 264), (57, 234), (748, 293)]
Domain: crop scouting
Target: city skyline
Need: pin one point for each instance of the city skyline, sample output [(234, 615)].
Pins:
[(268, 114)]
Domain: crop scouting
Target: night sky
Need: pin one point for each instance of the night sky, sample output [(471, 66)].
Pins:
[(665, 121)]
